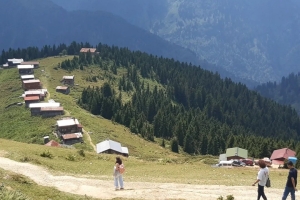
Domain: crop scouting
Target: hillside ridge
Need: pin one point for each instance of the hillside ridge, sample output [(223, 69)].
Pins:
[(149, 95)]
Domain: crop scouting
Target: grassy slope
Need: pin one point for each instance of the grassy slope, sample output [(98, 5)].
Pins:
[(26, 187), (148, 161)]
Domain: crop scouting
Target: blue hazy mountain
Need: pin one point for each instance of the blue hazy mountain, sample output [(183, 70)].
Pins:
[(38, 23), (256, 40)]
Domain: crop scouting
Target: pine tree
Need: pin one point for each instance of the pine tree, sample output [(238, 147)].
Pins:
[(174, 145)]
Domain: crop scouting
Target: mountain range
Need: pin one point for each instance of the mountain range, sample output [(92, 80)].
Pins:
[(255, 40), (38, 23)]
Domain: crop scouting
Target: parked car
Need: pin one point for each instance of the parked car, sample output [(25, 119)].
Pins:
[(248, 162), (238, 163), (267, 161), (225, 163)]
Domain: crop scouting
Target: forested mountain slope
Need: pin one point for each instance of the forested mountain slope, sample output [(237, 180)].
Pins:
[(164, 98), (255, 40), (287, 91)]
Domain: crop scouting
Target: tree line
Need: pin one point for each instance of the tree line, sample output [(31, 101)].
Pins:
[(285, 92)]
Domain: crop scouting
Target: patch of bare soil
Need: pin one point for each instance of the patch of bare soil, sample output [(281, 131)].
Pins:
[(3, 153), (140, 190)]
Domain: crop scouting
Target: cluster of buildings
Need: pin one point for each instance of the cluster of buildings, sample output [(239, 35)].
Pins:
[(277, 159), (69, 130), (34, 93)]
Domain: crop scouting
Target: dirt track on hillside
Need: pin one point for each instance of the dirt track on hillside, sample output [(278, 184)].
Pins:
[(140, 190)]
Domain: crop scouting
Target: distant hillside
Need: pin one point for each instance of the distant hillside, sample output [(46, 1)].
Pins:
[(158, 99), (255, 40), (285, 92), (37, 23), (43, 22)]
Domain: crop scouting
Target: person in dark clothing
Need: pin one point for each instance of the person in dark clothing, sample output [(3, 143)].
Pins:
[(291, 182)]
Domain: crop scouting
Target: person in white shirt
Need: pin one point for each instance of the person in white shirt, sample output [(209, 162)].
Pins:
[(262, 178)]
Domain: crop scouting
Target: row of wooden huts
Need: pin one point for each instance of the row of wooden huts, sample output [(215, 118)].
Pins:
[(68, 129), (34, 93)]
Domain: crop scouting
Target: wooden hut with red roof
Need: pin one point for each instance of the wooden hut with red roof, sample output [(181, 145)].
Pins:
[(52, 143), (31, 99), (280, 155)]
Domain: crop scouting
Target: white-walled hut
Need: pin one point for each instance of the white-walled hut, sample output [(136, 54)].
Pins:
[(25, 69)]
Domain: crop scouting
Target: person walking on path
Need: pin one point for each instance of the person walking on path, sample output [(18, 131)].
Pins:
[(118, 174), (291, 182), (262, 178)]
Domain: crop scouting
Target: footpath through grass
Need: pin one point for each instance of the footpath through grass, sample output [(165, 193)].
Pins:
[(187, 170)]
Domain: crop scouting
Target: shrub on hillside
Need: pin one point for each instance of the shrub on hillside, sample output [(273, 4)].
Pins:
[(81, 152), (19, 179), (71, 157), (229, 197), (46, 154), (25, 159)]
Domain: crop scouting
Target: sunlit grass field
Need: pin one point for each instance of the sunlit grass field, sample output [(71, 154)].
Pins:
[(165, 168)]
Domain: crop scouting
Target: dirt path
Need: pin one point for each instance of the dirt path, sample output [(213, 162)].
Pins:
[(140, 190), (89, 139)]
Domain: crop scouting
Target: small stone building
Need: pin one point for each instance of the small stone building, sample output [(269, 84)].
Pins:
[(66, 126), (41, 93), (63, 89), (25, 69), (72, 138), (31, 99), (34, 63), (32, 84), (51, 111), (27, 77), (35, 108), (68, 80), (14, 62)]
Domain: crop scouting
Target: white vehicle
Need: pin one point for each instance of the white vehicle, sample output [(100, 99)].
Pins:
[(225, 163)]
